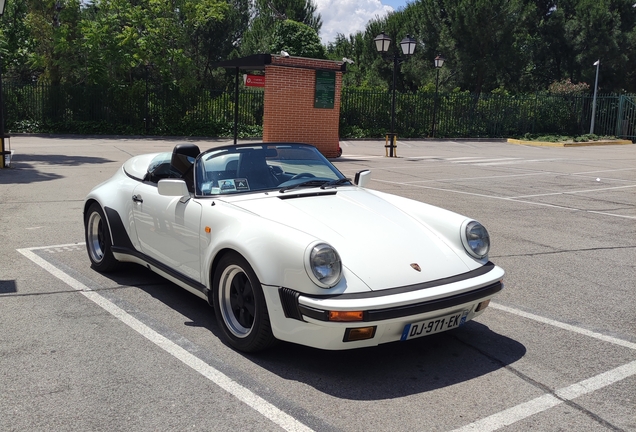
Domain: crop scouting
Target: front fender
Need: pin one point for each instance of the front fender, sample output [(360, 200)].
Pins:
[(276, 252)]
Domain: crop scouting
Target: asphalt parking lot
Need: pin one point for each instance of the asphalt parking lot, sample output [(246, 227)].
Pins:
[(555, 351)]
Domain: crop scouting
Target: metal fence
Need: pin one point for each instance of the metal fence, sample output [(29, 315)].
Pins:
[(626, 118), (465, 115), (137, 109), (142, 108)]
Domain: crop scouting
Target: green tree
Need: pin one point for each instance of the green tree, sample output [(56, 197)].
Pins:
[(297, 39), (265, 13), (16, 44), (125, 39), (484, 39), (109, 41), (53, 40)]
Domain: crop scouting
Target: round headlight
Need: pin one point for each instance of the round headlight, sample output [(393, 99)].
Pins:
[(325, 267), (476, 239)]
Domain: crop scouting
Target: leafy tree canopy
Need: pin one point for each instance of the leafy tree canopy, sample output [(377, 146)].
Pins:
[(297, 39), (517, 46)]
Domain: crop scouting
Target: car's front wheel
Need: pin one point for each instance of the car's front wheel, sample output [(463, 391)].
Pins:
[(98, 241), (239, 305)]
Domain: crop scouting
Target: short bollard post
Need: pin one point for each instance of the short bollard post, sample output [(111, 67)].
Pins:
[(390, 145), (5, 153)]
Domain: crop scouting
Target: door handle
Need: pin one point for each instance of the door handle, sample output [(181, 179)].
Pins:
[(137, 198)]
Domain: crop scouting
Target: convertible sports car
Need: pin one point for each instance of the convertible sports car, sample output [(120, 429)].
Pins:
[(284, 247)]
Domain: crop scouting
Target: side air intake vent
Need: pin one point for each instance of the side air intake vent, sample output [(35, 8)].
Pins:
[(289, 300)]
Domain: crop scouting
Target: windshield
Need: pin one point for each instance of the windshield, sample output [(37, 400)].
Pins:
[(262, 167)]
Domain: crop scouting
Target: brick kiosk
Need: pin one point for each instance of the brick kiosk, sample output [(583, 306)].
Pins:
[(298, 108), (290, 114)]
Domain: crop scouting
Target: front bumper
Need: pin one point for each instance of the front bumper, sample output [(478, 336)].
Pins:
[(305, 319)]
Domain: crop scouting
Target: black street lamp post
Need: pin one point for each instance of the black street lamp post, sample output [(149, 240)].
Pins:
[(439, 62), (382, 43), (3, 153)]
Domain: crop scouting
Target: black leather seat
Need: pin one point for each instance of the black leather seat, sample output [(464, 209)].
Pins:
[(253, 166), (182, 162)]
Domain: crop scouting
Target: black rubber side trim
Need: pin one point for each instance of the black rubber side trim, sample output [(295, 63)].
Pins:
[(318, 314), (132, 176), (164, 268), (117, 230), (413, 309)]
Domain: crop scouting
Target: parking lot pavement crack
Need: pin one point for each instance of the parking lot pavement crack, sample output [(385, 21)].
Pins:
[(591, 415), (72, 291), (564, 251), (124, 151), (506, 366), (43, 201), (560, 394)]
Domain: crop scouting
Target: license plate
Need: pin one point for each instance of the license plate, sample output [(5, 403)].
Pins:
[(434, 325)]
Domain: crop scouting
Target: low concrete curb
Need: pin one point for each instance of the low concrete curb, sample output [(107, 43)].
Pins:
[(568, 144)]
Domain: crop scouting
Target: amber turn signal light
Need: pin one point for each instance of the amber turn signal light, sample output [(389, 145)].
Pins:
[(361, 333), (346, 316), (483, 305)]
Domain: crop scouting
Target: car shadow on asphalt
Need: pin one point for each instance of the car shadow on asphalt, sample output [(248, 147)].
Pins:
[(396, 369), (25, 168), (346, 159), (390, 370)]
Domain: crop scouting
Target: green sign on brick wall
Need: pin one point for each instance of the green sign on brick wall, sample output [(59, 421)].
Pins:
[(325, 89)]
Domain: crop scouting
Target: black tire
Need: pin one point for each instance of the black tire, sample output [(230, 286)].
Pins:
[(98, 242), (239, 305)]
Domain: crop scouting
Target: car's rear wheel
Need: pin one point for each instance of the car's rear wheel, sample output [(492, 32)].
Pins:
[(98, 241), (239, 305)]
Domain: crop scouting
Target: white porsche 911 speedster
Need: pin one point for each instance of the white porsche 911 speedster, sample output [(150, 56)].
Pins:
[(285, 247)]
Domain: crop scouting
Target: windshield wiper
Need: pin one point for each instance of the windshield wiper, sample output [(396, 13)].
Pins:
[(334, 183), (313, 183), (308, 183)]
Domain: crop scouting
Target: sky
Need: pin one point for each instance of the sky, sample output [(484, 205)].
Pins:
[(350, 16)]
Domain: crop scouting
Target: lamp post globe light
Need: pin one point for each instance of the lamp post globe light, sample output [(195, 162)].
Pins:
[(439, 62), (2, 151), (382, 44)]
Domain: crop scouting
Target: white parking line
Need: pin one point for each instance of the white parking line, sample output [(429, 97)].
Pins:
[(268, 410), (480, 161), (361, 157), (602, 171), (612, 214), (564, 326), (547, 401), (288, 423), (506, 198), (521, 161), (572, 192)]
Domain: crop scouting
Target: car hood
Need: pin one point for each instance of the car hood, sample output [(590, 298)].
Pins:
[(378, 242)]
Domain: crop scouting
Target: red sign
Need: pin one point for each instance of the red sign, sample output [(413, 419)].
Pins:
[(254, 80)]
